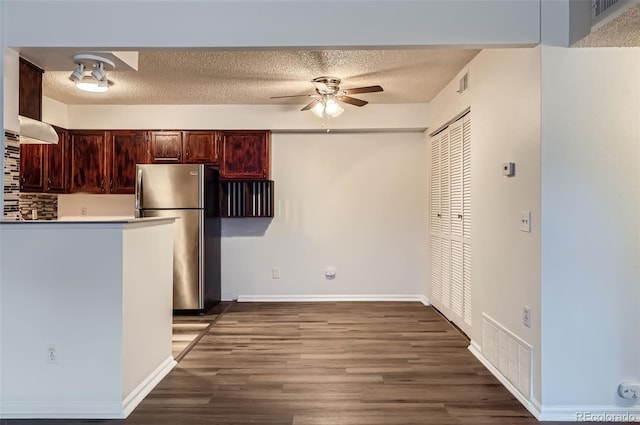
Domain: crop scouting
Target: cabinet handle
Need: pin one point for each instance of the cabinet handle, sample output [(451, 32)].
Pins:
[(102, 186), (179, 156), (48, 184), (111, 185), (438, 215), (460, 216), (187, 155), (264, 172)]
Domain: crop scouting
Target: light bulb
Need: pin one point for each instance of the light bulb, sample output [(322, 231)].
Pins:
[(332, 108), (318, 109), (91, 85)]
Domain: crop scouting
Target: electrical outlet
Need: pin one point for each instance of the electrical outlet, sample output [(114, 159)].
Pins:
[(330, 272), (526, 316), (34, 214), (275, 273), (52, 354), (83, 211), (629, 390)]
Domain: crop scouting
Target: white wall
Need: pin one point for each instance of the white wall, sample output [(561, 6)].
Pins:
[(504, 96), (354, 201), (221, 117), (273, 23), (591, 216), (38, 280)]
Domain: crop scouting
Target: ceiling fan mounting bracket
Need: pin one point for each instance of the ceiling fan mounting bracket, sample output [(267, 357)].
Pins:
[(327, 86)]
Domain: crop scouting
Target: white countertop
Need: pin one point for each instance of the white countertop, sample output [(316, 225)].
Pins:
[(119, 221)]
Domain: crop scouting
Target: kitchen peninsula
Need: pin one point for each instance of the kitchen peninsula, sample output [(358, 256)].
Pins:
[(85, 316)]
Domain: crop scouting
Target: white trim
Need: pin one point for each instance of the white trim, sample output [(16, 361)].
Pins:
[(92, 410), (144, 388), (424, 300), (319, 298), (598, 414), (66, 410), (473, 347)]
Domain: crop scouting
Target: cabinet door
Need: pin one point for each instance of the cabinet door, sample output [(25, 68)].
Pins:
[(127, 148), (87, 161), (245, 155), (200, 147), (32, 168), (30, 90), (57, 164), (166, 147)]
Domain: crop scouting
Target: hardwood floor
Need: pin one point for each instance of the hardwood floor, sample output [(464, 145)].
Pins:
[(327, 363)]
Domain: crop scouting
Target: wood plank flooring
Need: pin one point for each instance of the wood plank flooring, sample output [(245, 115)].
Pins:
[(327, 363)]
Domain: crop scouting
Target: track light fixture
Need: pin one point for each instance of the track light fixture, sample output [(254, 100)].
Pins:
[(97, 81), (78, 73)]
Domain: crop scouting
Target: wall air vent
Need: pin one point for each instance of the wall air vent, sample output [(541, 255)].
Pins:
[(463, 84), (600, 6)]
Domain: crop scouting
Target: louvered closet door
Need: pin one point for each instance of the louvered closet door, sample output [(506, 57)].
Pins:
[(450, 222), (455, 184), (445, 222), (466, 216)]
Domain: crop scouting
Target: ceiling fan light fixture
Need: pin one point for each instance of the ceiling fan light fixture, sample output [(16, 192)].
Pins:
[(332, 108), (318, 109)]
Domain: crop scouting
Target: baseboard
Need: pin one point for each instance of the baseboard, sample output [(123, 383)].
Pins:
[(590, 414), (424, 300), (144, 388), (66, 410), (90, 410), (476, 351), (320, 298)]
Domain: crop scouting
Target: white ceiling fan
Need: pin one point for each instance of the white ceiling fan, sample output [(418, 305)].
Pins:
[(328, 91)]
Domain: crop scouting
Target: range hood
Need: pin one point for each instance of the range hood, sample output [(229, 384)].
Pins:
[(36, 132)]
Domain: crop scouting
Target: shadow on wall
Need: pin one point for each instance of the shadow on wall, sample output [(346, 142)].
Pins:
[(245, 227)]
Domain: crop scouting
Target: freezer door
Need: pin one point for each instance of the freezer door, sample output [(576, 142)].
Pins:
[(169, 186), (188, 251)]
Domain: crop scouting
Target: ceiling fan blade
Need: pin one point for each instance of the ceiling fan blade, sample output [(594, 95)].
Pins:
[(352, 101), (310, 105), (296, 95), (368, 89)]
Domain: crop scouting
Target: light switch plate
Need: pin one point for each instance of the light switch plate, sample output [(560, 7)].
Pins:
[(525, 221)]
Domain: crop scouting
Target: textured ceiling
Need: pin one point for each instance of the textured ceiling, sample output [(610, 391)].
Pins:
[(623, 31), (252, 77)]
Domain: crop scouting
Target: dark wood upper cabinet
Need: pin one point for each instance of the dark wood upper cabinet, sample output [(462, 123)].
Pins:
[(245, 155), (32, 168), (87, 157), (126, 149), (56, 164), (166, 147), (200, 147), (30, 90)]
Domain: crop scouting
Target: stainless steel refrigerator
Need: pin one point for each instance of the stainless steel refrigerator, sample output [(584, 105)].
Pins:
[(189, 192)]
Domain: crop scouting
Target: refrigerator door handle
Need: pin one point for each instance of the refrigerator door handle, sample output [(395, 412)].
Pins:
[(138, 188), (201, 264)]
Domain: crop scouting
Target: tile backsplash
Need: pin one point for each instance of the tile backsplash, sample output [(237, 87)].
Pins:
[(45, 204), (11, 210)]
